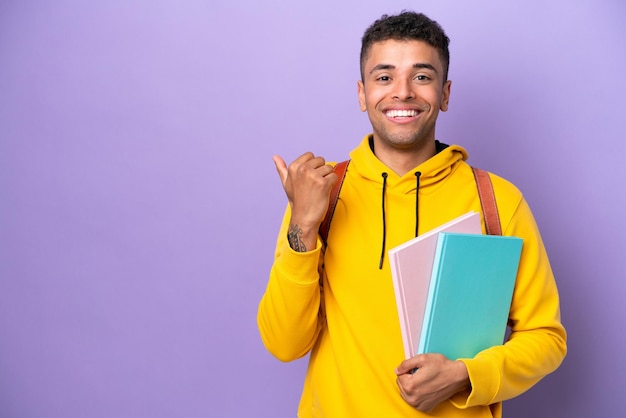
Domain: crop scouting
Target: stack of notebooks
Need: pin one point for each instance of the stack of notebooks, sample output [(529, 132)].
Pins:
[(453, 288)]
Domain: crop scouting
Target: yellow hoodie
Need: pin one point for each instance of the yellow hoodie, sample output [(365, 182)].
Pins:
[(350, 325)]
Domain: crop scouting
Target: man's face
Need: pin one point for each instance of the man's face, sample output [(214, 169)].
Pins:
[(403, 91)]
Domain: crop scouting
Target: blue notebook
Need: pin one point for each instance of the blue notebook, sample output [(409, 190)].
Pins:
[(470, 294)]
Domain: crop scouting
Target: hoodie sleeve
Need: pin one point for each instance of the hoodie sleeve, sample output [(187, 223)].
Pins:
[(288, 316), (537, 343)]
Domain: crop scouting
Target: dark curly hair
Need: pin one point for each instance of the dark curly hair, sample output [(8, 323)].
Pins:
[(407, 26)]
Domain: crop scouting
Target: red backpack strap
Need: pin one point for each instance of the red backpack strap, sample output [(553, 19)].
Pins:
[(487, 202), (340, 169)]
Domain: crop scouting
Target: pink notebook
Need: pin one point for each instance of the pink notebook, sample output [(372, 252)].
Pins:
[(411, 268)]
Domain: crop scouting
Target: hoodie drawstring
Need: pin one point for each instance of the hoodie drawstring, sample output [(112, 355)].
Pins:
[(417, 201), (382, 254), (417, 189)]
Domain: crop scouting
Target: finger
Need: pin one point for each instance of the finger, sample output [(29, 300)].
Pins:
[(409, 365), (310, 159), (317, 162), (303, 159), (281, 168), (401, 388), (308, 164)]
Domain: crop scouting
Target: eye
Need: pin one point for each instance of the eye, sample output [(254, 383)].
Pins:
[(422, 77), (383, 78)]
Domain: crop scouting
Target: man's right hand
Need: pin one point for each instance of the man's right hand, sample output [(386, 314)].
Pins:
[(307, 182)]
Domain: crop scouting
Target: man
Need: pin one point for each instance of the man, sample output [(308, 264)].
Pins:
[(336, 301)]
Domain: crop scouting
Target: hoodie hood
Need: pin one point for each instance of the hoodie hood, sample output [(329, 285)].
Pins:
[(433, 171), (425, 178)]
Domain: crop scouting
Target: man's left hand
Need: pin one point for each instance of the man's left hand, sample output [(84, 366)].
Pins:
[(435, 380)]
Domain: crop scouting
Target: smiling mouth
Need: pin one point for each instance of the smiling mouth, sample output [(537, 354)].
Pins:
[(401, 113)]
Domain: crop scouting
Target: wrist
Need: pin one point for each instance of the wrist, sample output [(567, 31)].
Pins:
[(301, 239), (462, 377)]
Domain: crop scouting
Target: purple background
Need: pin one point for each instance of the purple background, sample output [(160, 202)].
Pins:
[(139, 204)]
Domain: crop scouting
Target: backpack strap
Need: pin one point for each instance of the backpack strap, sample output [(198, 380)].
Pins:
[(485, 193), (487, 202), (340, 169)]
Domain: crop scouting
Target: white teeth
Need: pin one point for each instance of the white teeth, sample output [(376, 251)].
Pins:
[(401, 113)]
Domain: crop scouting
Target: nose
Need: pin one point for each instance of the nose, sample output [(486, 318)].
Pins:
[(402, 90)]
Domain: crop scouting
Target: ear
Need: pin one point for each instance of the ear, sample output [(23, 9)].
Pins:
[(445, 95), (361, 90)]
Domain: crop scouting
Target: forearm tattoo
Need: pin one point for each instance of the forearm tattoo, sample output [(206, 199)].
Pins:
[(294, 237)]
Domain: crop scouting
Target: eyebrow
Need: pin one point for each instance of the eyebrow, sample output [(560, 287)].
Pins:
[(426, 66), (383, 67)]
